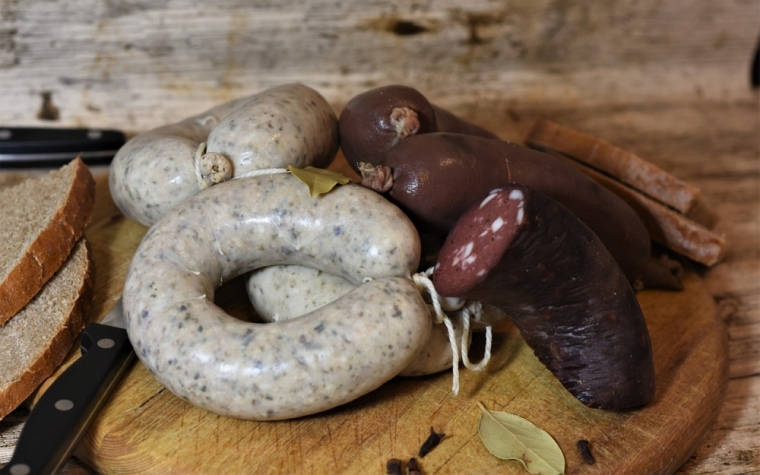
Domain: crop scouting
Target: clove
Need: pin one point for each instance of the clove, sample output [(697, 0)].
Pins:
[(585, 448), (432, 441), (393, 467), (413, 467)]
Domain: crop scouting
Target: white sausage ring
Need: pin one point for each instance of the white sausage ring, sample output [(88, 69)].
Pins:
[(284, 370)]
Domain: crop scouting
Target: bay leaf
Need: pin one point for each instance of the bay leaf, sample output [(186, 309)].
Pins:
[(511, 437), (318, 180)]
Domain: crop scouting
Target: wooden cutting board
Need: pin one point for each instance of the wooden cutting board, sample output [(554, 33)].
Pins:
[(144, 429)]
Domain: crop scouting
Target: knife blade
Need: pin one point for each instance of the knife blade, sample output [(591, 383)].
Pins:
[(67, 409), (48, 147)]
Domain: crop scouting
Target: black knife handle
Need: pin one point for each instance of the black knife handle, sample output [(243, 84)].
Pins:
[(40, 146), (63, 414)]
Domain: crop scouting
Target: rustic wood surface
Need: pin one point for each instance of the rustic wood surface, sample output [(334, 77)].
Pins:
[(136, 64), (144, 429), (666, 79)]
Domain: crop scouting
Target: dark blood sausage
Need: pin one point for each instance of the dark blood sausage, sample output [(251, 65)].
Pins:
[(437, 177), (523, 252), (373, 122)]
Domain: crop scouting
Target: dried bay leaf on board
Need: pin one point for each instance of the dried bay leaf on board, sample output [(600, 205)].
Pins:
[(511, 437), (318, 180)]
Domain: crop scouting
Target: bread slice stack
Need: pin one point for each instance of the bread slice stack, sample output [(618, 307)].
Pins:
[(45, 276), (673, 211)]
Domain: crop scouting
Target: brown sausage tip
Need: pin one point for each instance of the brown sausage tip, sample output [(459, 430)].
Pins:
[(406, 122), (378, 178)]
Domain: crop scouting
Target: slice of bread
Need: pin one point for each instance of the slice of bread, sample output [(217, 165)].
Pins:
[(36, 340), (41, 220)]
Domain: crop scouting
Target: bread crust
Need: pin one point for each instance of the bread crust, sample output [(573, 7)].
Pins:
[(57, 349), (51, 248)]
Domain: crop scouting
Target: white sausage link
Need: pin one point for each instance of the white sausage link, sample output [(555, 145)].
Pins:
[(290, 124), (304, 366), (281, 293)]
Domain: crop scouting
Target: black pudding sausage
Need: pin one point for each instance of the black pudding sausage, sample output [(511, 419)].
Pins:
[(434, 178), (376, 120), (526, 254)]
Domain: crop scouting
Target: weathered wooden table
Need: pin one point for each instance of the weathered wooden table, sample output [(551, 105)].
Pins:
[(668, 80)]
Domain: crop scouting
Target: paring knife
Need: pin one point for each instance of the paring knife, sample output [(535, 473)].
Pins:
[(68, 407), (52, 147)]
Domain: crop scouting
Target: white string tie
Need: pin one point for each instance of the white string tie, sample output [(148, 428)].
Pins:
[(263, 171), (466, 310), (473, 310), (209, 120), (423, 283)]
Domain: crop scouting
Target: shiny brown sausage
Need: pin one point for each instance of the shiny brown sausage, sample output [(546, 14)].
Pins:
[(523, 252), (437, 177), (374, 121)]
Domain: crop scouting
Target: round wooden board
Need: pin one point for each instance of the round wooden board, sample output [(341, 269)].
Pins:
[(144, 429)]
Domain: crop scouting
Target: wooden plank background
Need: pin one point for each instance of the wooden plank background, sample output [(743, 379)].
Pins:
[(140, 63), (666, 79)]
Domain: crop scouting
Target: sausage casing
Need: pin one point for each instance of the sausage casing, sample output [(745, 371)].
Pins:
[(438, 176), (281, 293), (525, 253), (268, 372), (290, 124)]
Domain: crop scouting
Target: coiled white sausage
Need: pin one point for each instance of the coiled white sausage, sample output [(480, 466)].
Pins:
[(290, 124), (279, 371), (281, 293)]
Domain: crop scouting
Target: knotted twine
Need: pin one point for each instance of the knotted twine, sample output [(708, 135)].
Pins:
[(472, 309)]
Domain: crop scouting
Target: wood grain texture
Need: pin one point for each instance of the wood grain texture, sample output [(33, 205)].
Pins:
[(147, 430), (717, 148), (666, 79), (111, 62)]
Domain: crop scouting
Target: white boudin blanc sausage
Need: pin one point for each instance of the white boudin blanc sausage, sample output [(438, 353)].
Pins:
[(300, 367), (435, 355), (281, 293), (290, 124)]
